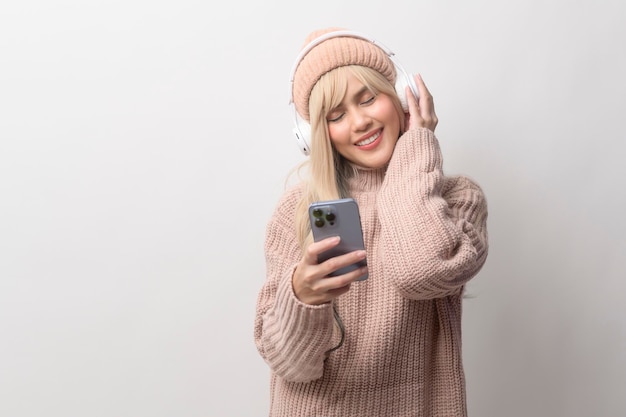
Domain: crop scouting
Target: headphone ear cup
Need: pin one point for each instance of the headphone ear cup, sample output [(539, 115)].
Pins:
[(302, 131), (403, 80)]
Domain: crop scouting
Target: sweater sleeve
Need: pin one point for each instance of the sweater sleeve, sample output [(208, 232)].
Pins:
[(433, 228), (291, 336)]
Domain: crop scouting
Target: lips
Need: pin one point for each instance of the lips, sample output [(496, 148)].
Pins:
[(370, 142)]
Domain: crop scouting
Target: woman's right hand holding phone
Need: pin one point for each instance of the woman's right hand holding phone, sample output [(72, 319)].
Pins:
[(311, 281)]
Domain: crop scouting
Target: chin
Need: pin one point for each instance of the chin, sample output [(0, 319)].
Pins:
[(382, 160), (376, 163)]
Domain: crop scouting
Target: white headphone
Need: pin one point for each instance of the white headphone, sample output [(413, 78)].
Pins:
[(302, 129)]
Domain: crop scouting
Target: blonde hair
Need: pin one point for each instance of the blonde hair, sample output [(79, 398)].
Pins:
[(329, 172)]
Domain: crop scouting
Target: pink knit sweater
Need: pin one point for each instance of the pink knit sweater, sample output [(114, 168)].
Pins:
[(425, 236)]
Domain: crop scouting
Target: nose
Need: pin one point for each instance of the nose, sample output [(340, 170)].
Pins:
[(360, 120)]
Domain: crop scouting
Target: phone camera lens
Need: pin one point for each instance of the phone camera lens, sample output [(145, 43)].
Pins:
[(319, 222), (330, 216), (317, 212)]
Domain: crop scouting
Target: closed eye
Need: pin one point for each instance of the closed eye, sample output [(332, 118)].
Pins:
[(335, 118), (337, 114), (369, 100)]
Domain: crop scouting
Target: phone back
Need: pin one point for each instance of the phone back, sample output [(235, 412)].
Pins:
[(338, 218)]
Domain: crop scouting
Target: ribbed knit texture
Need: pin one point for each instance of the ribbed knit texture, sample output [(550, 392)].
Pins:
[(334, 53), (425, 236)]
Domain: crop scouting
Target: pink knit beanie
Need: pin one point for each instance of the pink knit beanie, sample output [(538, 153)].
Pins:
[(333, 53)]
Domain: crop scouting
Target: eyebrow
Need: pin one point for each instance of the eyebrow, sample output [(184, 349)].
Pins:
[(361, 91), (358, 94)]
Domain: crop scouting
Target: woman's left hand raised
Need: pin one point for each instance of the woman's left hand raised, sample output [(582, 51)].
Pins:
[(422, 113)]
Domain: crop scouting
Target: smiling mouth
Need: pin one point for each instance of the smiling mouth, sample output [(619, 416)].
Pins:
[(369, 140)]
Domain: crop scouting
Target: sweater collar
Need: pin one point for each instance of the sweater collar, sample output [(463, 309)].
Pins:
[(366, 179)]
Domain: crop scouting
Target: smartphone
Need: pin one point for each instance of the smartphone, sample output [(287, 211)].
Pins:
[(338, 218)]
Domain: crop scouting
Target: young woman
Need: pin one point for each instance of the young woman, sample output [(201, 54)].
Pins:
[(389, 345)]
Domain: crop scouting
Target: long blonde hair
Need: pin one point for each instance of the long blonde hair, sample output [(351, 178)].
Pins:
[(329, 172)]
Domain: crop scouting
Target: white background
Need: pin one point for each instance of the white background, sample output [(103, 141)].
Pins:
[(144, 144)]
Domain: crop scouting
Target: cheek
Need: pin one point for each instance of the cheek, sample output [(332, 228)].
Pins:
[(392, 117), (337, 134), (395, 123)]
